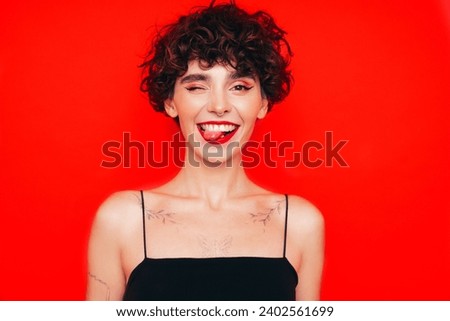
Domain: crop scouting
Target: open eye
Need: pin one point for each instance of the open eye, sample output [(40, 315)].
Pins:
[(241, 88)]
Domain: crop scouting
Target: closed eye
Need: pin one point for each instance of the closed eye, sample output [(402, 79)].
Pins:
[(194, 88)]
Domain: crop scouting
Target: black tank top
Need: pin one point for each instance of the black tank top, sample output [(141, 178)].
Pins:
[(212, 279)]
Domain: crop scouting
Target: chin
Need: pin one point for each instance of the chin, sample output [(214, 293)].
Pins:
[(218, 155)]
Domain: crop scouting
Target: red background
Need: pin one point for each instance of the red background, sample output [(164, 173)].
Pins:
[(375, 73)]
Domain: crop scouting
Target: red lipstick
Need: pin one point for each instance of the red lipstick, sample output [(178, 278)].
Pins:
[(217, 132)]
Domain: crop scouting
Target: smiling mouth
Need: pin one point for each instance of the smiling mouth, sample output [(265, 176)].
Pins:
[(217, 132)]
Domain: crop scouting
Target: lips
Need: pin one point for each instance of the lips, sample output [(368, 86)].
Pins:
[(217, 132)]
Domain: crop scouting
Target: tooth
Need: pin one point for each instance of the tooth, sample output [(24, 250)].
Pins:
[(218, 127)]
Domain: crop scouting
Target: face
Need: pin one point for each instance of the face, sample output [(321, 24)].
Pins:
[(217, 109)]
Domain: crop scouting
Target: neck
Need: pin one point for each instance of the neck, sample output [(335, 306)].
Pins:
[(213, 182)]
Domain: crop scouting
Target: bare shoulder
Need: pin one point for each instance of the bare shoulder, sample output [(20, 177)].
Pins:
[(306, 246), (118, 210), (304, 218), (114, 220)]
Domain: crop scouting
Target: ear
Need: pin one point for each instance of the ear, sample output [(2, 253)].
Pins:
[(169, 106), (264, 107)]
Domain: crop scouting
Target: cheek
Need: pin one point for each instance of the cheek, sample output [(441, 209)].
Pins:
[(187, 109), (188, 106), (249, 107)]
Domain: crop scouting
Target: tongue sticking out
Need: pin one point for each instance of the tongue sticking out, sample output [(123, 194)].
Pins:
[(212, 136)]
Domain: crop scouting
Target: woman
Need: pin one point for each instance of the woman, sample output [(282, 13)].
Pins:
[(210, 233)]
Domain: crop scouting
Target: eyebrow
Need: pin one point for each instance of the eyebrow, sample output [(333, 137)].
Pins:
[(205, 77), (194, 77), (236, 75)]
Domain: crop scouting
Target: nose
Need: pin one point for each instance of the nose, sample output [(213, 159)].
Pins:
[(218, 103)]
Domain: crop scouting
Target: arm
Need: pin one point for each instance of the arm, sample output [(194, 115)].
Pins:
[(308, 229), (106, 280)]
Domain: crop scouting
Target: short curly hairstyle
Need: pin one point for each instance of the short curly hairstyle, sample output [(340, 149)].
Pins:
[(250, 43)]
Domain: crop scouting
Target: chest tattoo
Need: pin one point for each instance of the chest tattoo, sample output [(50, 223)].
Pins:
[(265, 216), (215, 247), (161, 215)]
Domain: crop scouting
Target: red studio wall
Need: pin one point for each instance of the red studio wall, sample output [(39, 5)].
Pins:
[(375, 74)]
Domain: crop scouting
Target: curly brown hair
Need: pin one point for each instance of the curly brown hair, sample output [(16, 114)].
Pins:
[(251, 43)]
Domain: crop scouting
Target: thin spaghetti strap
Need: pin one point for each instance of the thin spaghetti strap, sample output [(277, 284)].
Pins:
[(285, 225), (143, 223)]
